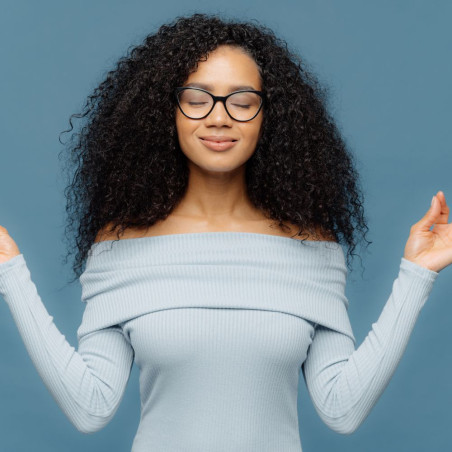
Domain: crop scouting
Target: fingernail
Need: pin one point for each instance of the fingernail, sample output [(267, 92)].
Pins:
[(433, 200)]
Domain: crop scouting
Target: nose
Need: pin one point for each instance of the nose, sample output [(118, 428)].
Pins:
[(219, 115)]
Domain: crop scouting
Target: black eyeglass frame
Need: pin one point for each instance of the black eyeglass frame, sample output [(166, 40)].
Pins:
[(216, 99)]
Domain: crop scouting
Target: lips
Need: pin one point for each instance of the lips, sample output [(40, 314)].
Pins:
[(218, 139), (216, 145)]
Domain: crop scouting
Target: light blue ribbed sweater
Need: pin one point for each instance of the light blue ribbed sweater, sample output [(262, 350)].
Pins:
[(220, 325)]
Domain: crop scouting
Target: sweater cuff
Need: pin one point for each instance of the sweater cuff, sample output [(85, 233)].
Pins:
[(424, 272), (4, 266), (8, 269), (419, 280)]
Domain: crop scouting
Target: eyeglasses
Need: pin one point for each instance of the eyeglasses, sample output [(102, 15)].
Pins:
[(197, 103)]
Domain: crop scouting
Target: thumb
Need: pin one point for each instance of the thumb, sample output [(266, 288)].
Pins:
[(430, 218), (3, 230)]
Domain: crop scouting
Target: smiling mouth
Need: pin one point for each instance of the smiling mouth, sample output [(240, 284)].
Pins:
[(218, 145), (219, 141)]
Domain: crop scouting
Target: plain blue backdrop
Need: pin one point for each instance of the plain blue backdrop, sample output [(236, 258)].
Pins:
[(388, 66)]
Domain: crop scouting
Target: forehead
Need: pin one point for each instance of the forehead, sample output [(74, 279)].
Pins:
[(226, 68)]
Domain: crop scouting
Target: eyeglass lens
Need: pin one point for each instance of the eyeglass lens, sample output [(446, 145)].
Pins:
[(196, 104)]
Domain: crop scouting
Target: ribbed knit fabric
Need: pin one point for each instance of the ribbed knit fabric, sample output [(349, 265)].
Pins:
[(220, 325)]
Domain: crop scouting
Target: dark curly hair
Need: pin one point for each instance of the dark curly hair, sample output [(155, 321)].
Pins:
[(131, 171)]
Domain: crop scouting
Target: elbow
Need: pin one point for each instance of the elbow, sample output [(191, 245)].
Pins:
[(86, 430), (341, 414), (89, 422), (93, 416), (345, 425), (343, 428), (340, 421), (89, 426)]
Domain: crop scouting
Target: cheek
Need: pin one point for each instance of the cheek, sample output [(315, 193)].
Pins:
[(185, 128)]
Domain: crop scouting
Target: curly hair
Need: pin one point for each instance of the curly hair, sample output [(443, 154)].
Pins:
[(131, 172)]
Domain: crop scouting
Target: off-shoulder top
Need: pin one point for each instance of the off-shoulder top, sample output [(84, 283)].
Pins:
[(220, 325)]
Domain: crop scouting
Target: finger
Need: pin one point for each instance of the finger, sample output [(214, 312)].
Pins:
[(444, 215), (431, 217)]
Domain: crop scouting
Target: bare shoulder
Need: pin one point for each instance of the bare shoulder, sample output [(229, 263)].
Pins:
[(108, 233), (322, 234), (183, 225)]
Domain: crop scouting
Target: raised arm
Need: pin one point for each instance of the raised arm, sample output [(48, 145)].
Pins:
[(343, 383), (87, 384)]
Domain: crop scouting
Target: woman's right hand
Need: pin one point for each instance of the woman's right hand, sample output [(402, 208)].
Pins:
[(8, 247)]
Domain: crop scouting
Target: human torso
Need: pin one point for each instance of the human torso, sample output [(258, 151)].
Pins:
[(208, 314)]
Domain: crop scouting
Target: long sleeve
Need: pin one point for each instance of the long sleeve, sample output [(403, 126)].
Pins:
[(343, 383), (87, 384)]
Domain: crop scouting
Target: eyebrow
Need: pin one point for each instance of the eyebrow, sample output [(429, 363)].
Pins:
[(210, 87)]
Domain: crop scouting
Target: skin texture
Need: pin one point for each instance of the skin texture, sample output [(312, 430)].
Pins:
[(431, 249), (216, 198), (216, 189)]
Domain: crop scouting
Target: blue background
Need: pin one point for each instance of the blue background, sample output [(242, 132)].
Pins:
[(389, 68)]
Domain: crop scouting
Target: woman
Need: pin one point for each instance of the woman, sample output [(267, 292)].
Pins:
[(211, 165)]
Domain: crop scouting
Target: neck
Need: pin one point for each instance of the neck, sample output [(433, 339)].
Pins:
[(217, 196)]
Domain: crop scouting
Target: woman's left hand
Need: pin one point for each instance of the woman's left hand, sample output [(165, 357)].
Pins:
[(431, 248)]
